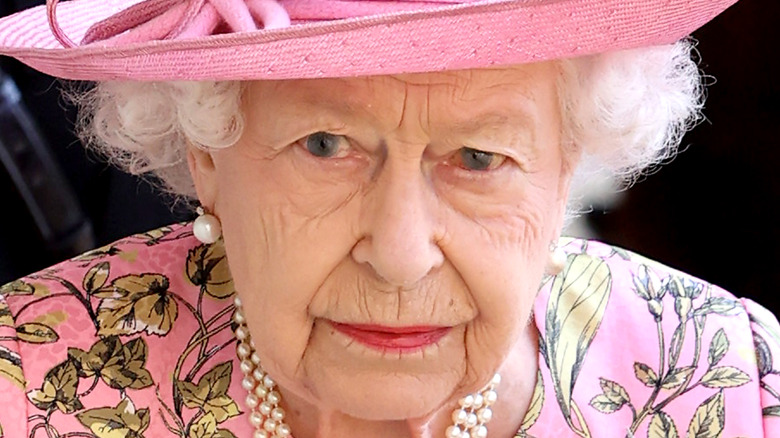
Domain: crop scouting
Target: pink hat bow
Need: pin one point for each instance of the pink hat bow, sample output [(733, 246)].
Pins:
[(180, 19), (170, 19)]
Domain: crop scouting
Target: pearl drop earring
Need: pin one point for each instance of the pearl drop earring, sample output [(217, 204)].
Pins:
[(556, 260), (206, 227)]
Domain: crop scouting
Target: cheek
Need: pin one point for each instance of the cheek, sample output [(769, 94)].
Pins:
[(283, 238), (501, 255)]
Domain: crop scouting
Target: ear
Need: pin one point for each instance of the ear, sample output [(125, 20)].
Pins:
[(569, 163), (203, 173)]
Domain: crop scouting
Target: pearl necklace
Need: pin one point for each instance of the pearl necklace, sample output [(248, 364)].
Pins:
[(267, 417)]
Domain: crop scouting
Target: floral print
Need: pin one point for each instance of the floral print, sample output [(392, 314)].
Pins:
[(135, 340)]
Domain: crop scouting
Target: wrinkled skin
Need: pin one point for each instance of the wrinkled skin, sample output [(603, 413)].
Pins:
[(394, 229)]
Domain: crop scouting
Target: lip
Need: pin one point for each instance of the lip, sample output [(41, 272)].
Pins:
[(401, 339)]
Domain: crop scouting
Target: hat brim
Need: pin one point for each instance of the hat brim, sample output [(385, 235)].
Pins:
[(452, 37)]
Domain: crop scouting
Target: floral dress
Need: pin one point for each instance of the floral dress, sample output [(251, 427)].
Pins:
[(135, 339)]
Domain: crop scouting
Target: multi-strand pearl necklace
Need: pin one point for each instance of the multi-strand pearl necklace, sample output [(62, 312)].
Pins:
[(267, 417), (470, 420)]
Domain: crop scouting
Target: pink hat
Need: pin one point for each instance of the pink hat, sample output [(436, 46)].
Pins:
[(282, 39)]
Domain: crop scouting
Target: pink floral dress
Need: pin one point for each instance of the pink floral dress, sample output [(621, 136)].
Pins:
[(135, 340)]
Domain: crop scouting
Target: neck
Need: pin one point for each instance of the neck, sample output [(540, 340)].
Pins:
[(518, 372)]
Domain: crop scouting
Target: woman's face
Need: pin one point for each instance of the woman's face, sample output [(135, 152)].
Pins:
[(388, 235)]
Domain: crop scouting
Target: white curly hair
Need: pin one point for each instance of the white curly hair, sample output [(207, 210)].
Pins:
[(626, 111)]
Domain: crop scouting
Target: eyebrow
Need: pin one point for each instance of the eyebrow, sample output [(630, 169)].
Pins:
[(486, 120)]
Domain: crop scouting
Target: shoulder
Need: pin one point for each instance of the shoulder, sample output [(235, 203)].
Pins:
[(107, 339), (632, 345)]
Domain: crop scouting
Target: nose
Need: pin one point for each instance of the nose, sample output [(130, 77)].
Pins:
[(399, 226)]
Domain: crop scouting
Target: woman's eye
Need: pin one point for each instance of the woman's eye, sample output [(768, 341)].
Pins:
[(324, 144), (474, 159)]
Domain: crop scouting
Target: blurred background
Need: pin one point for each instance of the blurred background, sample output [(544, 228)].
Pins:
[(711, 212)]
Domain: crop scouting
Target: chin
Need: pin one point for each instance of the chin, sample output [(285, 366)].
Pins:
[(366, 383), (383, 398)]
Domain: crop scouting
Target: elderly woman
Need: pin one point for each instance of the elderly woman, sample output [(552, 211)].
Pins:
[(381, 190)]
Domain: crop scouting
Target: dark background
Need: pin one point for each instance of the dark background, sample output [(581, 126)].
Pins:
[(711, 212)]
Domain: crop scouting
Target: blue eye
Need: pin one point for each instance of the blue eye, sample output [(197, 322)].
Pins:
[(474, 159), (323, 144)]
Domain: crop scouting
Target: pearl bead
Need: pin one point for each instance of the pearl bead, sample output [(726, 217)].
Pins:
[(261, 433), (274, 398), (484, 415), (252, 401), (248, 383), (490, 397), (255, 419), (261, 391), (283, 430), (478, 400), (265, 408), (471, 420), (207, 228), (237, 301), (238, 317), (243, 350), (481, 432), (467, 401), (269, 425), (255, 359), (258, 374), (459, 416), (242, 333), (496, 379), (247, 366), (453, 432), (268, 382), (465, 434), (277, 414)]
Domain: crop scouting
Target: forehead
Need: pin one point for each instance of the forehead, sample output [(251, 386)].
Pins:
[(465, 91)]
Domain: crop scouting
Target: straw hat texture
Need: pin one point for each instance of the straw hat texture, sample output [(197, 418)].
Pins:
[(285, 39)]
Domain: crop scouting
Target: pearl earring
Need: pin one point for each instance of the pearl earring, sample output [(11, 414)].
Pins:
[(556, 259), (206, 227)]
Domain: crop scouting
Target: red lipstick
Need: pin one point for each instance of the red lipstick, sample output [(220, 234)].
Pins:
[(401, 339)]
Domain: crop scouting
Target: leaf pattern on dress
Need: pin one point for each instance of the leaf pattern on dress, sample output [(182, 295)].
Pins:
[(210, 393), (17, 288), (709, 419), (719, 345), (693, 304), (98, 253), (612, 397), (535, 408), (120, 366), (645, 374), (6, 317), (206, 427), (58, 389), (578, 299), (662, 426), (11, 367), (136, 303), (724, 377), (96, 277), (766, 332), (677, 377), (36, 333), (207, 268), (122, 421)]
